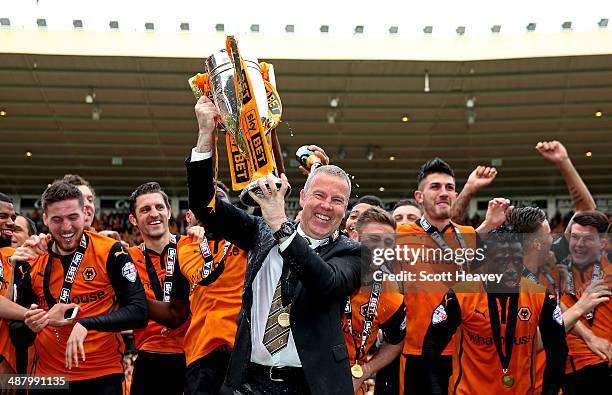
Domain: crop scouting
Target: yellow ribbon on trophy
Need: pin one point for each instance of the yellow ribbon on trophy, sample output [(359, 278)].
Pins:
[(249, 153)]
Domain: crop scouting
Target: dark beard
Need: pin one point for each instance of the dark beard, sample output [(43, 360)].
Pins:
[(4, 242)]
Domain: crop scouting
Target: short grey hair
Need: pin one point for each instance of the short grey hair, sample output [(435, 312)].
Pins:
[(332, 170)]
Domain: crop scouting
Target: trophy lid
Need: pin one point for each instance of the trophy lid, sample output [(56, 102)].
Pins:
[(220, 61)]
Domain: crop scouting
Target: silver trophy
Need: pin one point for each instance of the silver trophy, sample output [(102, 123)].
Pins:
[(221, 76)]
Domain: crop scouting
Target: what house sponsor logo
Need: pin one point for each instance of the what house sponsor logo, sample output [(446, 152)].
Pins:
[(78, 299), (488, 340)]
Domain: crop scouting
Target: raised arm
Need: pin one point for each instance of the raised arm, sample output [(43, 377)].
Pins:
[(480, 177), (225, 220), (555, 152)]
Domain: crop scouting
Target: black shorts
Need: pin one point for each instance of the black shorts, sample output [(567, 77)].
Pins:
[(111, 384), (205, 376), (592, 379), (416, 375), (158, 373)]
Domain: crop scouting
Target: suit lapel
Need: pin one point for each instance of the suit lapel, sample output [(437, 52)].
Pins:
[(325, 253), (260, 254)]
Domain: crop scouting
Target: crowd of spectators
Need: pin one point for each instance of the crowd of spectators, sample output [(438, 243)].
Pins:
[(119, 222)]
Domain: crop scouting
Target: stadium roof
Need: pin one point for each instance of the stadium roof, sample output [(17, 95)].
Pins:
[(490, 97)]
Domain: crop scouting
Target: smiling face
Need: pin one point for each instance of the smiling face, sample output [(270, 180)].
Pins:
[(375, 235), (90, 205), (406, 214), (585, 244), (152, 215), (21, 233), (354, 215), (7, 222), (323, 205), (66, 221), (506, 259), (436, 194)]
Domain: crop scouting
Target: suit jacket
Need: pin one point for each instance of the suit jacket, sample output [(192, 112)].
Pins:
[(323, 284)]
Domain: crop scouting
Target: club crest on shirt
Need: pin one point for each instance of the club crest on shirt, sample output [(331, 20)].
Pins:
[(89, 273), (129, 272), (524, 313), (439, 315)]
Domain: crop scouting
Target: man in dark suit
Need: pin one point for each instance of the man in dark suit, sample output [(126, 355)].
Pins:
[(289, 338)]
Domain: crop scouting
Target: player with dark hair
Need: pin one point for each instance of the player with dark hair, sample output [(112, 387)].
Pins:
[(406, 211), (24, 228), (586, 264), (374, 306), (364, 203), (7, 220), (160, 348), (72, 267), (495, 325), (89, 196), (436, 194)]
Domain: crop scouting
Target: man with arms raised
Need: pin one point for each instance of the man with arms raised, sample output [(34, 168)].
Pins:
[(289, 337), (436, 194), (586, 264)]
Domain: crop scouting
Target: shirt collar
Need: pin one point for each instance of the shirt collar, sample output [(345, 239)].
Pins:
[(426, 225), (313, 243)]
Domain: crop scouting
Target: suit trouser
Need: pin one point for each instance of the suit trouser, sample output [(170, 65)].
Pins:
[(416, 375), (259, 381)]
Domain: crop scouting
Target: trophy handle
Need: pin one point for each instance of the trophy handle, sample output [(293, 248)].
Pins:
[(254, 187)]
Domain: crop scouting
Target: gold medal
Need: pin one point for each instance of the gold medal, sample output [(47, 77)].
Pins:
[(283, 320), (507, 380), (357, 371)]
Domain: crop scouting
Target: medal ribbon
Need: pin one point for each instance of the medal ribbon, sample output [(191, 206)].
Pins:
[(168, 266), (208, 265), (373, 301), (596, 274), (511, 318), (1, 270), (435, 235), (75, 263), (532, 277)]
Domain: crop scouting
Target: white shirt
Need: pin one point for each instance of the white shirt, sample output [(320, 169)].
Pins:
[(264, 284)]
